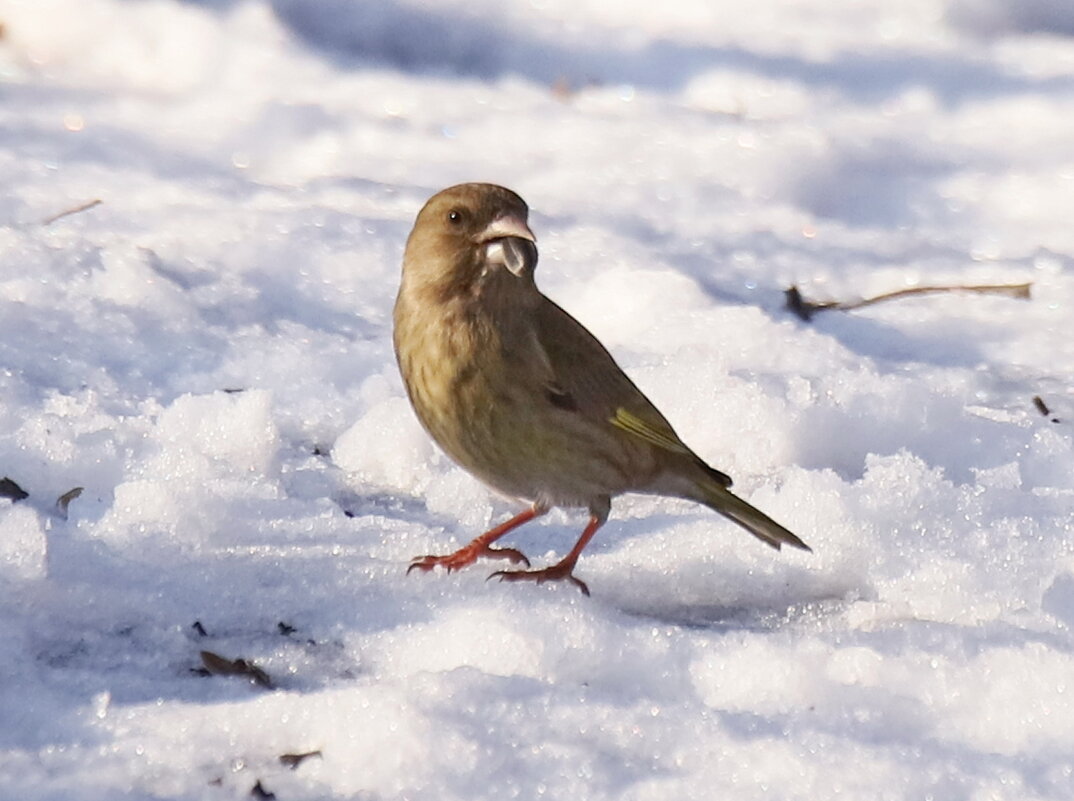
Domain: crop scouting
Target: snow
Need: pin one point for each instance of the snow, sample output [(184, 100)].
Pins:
[(207, 353)]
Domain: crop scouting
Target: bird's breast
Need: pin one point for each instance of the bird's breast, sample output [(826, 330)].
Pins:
[(448, 364)]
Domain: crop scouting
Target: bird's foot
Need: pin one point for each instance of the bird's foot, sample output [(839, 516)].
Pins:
[(561, 571), (466, 556)]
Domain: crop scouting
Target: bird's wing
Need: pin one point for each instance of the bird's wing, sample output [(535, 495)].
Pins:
[(579, 375), (662, 436), (584, 377)]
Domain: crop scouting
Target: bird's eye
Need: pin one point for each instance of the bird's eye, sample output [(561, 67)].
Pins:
[(455, 216)]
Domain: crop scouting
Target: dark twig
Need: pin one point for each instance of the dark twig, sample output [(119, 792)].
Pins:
[(805, 309), (69, 212), (9, 489), (65, 500), (294, 760), (222, 666), (1042, 407), (259, 791)]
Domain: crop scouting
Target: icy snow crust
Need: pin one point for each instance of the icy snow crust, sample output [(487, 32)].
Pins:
[(207, 353)]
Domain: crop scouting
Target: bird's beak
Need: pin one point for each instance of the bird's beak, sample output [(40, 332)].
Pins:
[(507, 225), (510, 243)]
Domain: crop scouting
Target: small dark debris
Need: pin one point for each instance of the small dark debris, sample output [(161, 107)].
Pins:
[(65, 500), (286, 629), (294, 760), (222, 666), (259, 791), (234, 390), (319, 450), (199, 629), (1042, 407), (9, 489)]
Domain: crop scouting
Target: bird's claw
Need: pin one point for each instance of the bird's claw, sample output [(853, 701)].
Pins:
[(513, 555), (423, 563), (467, 556), (557, 572)]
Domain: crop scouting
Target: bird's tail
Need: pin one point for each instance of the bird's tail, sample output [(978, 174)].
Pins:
[(749, 517)]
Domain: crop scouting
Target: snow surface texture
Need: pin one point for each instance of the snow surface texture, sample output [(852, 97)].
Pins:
[(207, 353)]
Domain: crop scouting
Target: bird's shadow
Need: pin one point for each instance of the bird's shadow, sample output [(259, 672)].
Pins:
[(738, 601), (696, 591), (736, 614)]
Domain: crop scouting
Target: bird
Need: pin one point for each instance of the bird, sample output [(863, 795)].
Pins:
[(520, 394)]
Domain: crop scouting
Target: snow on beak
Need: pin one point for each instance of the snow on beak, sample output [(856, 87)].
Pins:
[(510, 243)]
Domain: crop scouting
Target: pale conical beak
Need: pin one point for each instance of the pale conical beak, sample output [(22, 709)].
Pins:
[(504, 226), (510, 243)]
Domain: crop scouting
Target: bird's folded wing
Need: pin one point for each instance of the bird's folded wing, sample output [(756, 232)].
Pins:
[(661, 434), (584, 372)]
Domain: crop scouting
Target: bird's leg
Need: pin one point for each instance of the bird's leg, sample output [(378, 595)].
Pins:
[(481, 546), (563, 568)]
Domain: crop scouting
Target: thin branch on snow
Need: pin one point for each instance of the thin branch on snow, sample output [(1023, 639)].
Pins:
[(805, 309), (69, 212)]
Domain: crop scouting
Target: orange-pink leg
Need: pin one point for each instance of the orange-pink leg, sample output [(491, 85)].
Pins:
[(480, 546), (562, 569)]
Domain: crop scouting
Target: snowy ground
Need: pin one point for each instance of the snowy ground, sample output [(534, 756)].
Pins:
[(259, 165)]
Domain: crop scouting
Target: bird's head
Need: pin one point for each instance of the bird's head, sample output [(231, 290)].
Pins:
[(467, 234)]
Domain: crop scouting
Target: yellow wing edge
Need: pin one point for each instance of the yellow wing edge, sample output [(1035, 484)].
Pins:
[(633, 424)]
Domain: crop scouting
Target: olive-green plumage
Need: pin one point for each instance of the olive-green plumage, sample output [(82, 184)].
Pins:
[(519, 393)]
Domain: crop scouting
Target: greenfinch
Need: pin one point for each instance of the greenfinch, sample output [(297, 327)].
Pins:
[(521, 395)]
